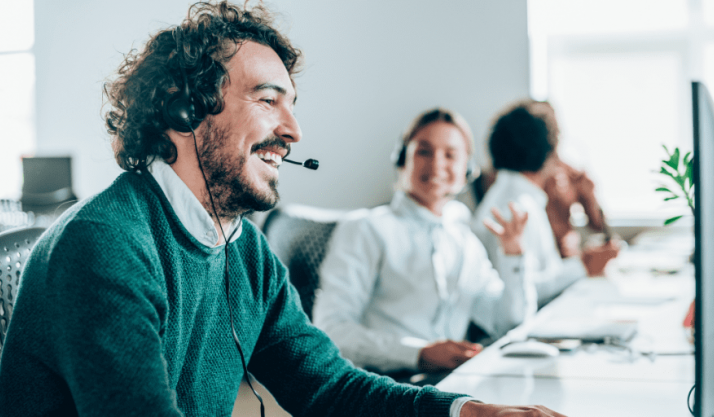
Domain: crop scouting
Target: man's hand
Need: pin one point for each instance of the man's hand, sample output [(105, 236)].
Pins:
[(446, 355), (508, 232), (472, 409), (595, 259)]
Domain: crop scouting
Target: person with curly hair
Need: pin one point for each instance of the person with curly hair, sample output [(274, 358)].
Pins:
[(154, 297), (522, 143)]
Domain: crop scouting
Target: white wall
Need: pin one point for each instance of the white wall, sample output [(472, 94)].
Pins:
[(371, 66)]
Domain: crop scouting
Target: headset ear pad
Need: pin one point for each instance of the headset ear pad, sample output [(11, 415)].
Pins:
[(183, 114), (399, 154)]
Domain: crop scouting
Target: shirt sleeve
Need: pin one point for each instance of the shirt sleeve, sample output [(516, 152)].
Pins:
[(458, 404), (509, 297), (558, 275), (347, 279)]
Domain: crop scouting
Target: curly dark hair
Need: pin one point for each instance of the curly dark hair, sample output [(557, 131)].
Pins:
[(210, 36), (520, 141)]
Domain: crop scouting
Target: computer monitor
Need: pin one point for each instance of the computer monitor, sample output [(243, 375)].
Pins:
[(46, 180), (703, 117)]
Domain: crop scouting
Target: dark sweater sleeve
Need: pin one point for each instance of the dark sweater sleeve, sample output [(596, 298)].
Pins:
[(304, 371), (108, 308)]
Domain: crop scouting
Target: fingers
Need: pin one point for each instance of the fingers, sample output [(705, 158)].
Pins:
[(516, 214), (497, 215), (493, 227), (548, 412)]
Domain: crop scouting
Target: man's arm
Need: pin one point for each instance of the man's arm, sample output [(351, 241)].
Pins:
[(106, 310)]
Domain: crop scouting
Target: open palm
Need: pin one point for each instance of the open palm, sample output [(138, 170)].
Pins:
[(508, 232)]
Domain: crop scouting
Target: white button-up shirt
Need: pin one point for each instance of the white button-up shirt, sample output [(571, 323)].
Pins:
[(400, 277), (544, 265), (188, 209)]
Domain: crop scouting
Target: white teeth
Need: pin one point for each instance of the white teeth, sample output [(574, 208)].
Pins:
[(269, 156)]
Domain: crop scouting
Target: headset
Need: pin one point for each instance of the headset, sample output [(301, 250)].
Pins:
[(399, 158), (184, 114)]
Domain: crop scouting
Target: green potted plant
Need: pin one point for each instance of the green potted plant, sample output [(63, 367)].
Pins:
[(680, 170)]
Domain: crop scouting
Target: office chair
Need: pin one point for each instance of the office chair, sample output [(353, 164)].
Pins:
[(15, 247), (298, 235)]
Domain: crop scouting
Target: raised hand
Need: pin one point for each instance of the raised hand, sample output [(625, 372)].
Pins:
[(509, 233)]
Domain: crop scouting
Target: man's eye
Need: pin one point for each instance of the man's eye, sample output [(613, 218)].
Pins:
[(423, 152), (269, 101)]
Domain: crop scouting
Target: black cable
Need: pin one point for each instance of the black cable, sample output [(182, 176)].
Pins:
[(689, 402), (227, 280)]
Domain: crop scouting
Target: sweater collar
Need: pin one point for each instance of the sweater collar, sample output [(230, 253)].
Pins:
[(188, 209)]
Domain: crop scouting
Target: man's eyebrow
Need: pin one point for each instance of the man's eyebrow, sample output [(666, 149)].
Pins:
[(270, 86)]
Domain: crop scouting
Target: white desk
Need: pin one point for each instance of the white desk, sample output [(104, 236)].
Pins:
[(598, 380)]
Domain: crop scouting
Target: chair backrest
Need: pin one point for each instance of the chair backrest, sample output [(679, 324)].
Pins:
[(15, 247), (46, 181), (299, 235)]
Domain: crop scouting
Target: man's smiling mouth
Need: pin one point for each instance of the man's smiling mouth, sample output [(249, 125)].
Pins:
[(270, 158), (272, 151)]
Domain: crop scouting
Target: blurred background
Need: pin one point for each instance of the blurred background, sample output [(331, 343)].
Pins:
[(616, 71)]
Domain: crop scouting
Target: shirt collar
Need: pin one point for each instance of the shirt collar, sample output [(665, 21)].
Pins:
[(522, 185), (188, 209), (406, 206)]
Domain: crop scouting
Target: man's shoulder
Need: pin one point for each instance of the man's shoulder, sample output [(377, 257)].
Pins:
[(124, 208)]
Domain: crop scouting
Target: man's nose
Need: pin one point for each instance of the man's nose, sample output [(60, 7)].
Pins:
[(289, 128)]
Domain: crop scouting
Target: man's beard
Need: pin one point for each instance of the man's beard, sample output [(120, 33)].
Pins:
[(232, 194)]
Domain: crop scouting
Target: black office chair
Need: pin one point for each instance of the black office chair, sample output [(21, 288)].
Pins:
[(15, 246), (298, 235)]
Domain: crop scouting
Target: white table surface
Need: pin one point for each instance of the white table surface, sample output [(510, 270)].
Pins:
[(651, 284)]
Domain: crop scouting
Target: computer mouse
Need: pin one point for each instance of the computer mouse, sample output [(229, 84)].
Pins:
[(529, 349)]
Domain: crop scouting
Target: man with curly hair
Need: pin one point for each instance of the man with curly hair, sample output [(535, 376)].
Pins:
[(135, 302)]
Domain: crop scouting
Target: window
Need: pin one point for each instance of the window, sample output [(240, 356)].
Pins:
[(17, 92), (618, 73)]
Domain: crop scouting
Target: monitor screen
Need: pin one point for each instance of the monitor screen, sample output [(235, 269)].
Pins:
[(703, 117), (45, 174), (46, 180)]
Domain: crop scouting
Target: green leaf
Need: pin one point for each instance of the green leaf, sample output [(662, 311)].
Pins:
[(664, 189), (664, 171), (673, 161), (674, 197), (672, 220), (687, 158), (680, 180)]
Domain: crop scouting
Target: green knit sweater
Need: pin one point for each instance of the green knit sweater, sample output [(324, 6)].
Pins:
[(122, 312)]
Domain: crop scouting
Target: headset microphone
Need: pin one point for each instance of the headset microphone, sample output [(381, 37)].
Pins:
[(309, 164)]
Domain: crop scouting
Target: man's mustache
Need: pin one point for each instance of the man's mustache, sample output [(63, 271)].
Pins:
[(271, 142)]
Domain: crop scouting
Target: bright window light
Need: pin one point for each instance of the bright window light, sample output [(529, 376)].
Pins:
[(17, 91), (618, 73), (17, 25)]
